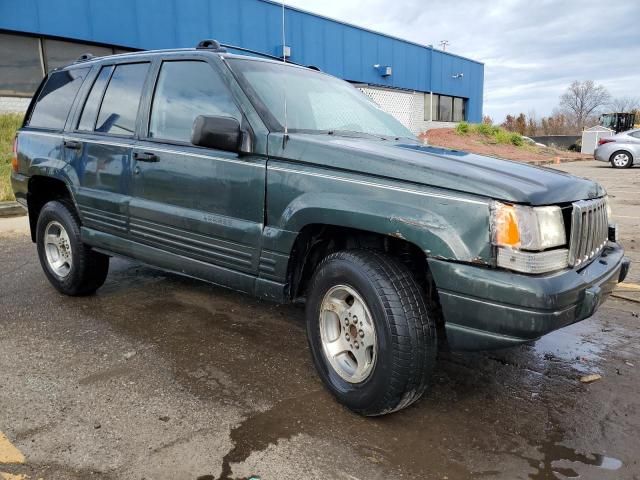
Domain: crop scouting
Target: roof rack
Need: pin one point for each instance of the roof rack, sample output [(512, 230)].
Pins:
[(216, 46), (210, 44), (85, 57)]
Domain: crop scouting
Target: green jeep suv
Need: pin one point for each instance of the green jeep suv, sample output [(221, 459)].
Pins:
[(283, 182)]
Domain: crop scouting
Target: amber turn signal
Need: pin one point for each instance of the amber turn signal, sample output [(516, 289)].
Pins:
[(507, 232)]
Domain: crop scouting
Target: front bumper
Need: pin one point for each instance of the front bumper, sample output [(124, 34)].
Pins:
[(485, 308)]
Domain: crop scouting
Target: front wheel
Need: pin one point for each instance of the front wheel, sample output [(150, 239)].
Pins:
[(72, 267), (621, 160), (373, 342)]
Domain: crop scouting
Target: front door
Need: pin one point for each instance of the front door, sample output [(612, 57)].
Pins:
[(203, 204)]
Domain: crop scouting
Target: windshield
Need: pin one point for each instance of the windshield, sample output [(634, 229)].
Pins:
[(315, 102)]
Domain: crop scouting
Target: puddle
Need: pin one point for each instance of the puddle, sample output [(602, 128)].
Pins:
[(580, 345), (563, 460)]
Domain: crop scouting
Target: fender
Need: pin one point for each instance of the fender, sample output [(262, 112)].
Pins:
[(444, 225)]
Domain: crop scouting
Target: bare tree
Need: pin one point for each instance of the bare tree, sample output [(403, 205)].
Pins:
[(582, 99), (625, 104)]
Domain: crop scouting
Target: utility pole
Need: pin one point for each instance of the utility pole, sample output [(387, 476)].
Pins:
[(443, 44)]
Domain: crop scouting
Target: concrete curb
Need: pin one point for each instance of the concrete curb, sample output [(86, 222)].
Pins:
[(557, 161), (11, 209)]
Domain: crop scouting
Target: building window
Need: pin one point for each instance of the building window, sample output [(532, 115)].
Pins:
[(445, 108), (25, 59), (58, 53), (20, 67)]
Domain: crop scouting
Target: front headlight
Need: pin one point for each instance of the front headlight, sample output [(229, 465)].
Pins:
[(522, 234)]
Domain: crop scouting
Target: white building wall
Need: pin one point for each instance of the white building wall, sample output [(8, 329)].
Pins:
[(406, 106), (14, 104)]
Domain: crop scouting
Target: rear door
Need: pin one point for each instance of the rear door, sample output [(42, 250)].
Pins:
[(41, 140), (196, 202), (101, 145)]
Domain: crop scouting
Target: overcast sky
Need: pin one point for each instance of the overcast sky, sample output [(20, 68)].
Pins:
[(531, 49)]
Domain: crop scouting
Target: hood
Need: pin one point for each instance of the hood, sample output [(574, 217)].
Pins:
[(437, 167)]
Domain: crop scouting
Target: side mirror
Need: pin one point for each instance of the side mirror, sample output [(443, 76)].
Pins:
[(221, 133)]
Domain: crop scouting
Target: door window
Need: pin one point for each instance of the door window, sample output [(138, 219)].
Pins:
[(120, 104), (186, 89), (90, 110)]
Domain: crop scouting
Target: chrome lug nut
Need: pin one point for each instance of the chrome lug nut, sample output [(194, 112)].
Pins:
[(347, 337), (361, 333)]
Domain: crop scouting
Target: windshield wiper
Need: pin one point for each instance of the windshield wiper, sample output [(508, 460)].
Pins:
[(353, 133)]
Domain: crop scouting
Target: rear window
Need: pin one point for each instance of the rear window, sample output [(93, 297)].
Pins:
[(55, 100), (119, 107)]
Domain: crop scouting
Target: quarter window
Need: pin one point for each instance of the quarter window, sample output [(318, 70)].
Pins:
[(186, 89), (120, 104), (56, 97)]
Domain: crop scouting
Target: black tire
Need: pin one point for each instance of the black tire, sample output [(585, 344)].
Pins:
[(405, 332), (89, 268), (629, 162)]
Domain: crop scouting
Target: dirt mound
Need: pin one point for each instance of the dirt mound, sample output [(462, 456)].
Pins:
[(483, 145)]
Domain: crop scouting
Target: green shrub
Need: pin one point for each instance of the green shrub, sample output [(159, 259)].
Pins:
[(9, 123), (516, 139), (492, 132), (462, 128)]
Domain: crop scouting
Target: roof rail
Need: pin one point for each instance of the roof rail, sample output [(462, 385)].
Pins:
[(216, 46), (85, 57), (210, 44)]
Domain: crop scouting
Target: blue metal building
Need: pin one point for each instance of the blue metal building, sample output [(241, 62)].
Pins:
[(434, 79)]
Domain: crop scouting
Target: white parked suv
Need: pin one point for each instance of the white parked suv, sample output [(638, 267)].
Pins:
[(620, 150)]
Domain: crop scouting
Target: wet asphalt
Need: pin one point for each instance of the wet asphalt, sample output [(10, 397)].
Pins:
[(161, 377)]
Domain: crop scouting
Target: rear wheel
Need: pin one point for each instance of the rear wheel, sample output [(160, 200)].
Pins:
[(373, 343), (621, 159), (72, 267)]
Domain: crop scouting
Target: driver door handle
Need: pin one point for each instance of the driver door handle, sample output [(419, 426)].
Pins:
[(145, 157)]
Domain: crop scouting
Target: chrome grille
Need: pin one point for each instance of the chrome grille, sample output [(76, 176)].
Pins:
[(589, 230)]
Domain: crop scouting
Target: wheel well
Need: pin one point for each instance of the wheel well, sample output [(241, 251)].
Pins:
[(43, 190), (315, 242)]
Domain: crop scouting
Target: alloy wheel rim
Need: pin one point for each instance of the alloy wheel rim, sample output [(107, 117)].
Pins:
[(621, 160), (57, 247), (348, 334)]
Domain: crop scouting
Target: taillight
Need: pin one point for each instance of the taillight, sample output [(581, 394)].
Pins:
[(14, 159), (602, 141)]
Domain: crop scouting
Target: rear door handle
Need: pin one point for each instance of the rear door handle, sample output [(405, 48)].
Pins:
[(145, 157), (72, 144)]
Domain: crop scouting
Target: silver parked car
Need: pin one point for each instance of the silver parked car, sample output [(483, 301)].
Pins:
[(621, 150)]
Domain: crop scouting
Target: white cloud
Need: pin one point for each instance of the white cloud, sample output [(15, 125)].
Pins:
[(532, 50)]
